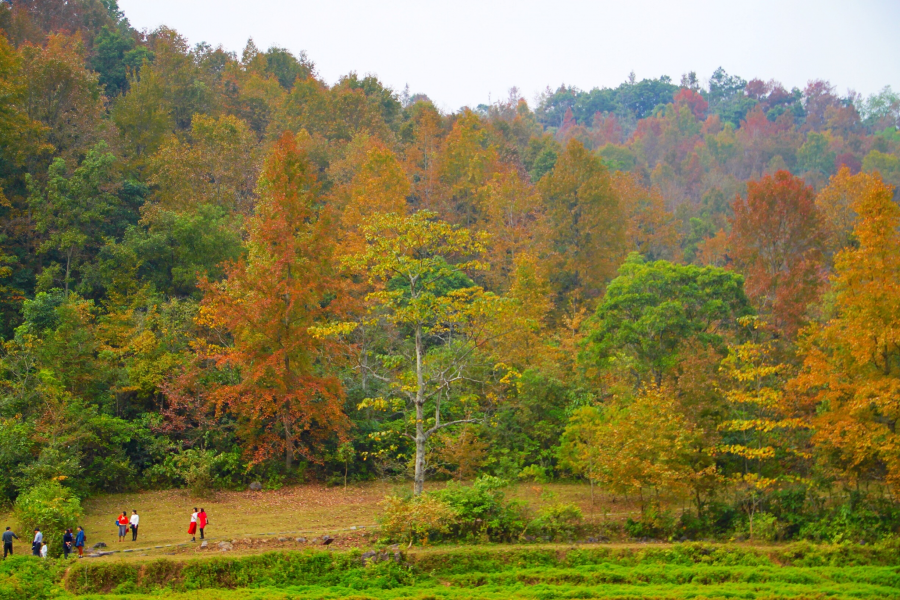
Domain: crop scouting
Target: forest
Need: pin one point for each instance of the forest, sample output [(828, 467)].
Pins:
[(218, 269)]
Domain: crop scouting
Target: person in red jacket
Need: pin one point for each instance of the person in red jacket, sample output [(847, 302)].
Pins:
[(123, 526), (202, 521)]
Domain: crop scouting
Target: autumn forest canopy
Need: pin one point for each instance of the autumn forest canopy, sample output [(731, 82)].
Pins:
[(216, 268)]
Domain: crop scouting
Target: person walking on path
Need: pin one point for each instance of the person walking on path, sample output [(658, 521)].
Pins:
[(36, 542), (79, 541), (68, 540), (202, 521), (8, 537), (135, 521), (192, 528), (44, 550), (123, 526)]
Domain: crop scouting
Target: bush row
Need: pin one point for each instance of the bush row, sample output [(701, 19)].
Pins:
[(276, 569), (691, 562)]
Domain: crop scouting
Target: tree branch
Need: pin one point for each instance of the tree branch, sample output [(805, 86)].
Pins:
[(448, 424)]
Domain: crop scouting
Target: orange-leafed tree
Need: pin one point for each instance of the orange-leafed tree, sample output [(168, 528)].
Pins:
[(371, 180), (466, 163), (422, 153), (835, 202), (587, 229), (652, 230), (777, 242), (285, 398), (515, 220), (851, 367)]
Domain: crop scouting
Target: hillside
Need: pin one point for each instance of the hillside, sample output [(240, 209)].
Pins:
[(219, 269)]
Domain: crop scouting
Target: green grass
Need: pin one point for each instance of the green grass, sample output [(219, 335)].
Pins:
[(682, 571)]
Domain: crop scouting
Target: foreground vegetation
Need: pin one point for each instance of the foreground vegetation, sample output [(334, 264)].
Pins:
[(680, 571)]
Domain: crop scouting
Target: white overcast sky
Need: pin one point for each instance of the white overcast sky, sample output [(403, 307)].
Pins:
[(465, 52)]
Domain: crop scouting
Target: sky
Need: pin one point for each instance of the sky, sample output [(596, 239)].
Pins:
[(465, 52)]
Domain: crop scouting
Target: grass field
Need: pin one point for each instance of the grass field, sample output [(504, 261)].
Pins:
[(309, 510), (267, 563)]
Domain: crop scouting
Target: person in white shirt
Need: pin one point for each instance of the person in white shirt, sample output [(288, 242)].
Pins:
[(192, 528), (36, 543), (135, 521), (43, 550)]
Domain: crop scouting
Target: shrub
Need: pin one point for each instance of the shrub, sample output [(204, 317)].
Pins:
[(654, 523), (481, 509), (200, 471), (25, 577), (535, 473), (557, 520), (766, 527), (50, 507), (416, 519), (861, 519)]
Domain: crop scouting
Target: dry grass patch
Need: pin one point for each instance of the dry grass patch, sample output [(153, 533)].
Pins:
[(308, 510)]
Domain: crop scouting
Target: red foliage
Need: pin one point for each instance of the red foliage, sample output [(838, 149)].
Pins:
[(692, 100), (606, 130), (847, 159), (567, 124), (758, 89), (286, 400), (779, 95), (819, 96), (777, 241)]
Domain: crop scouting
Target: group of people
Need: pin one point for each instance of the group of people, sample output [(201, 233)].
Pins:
[(74, 540), (124, 523), (71, 541), (199, 521)]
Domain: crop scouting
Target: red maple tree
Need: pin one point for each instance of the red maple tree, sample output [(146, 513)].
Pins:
[(282, 392), (777, 241)]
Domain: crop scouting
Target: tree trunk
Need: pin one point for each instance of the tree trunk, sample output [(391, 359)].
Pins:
[(68, 269), (592, 498), (419, 483), (288, 441), (288, 378)]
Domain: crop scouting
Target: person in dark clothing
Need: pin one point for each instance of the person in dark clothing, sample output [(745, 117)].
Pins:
[(8, 537), (68, 540), (135, 523)]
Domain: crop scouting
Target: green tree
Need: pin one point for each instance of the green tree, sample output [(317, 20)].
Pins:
[(144, 115), (286, 67), (653, 312), (51, 508), (115, 57), (62, 94), (169, 250), (884, 164), (441, 318), (73, 212), (815, 155)]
